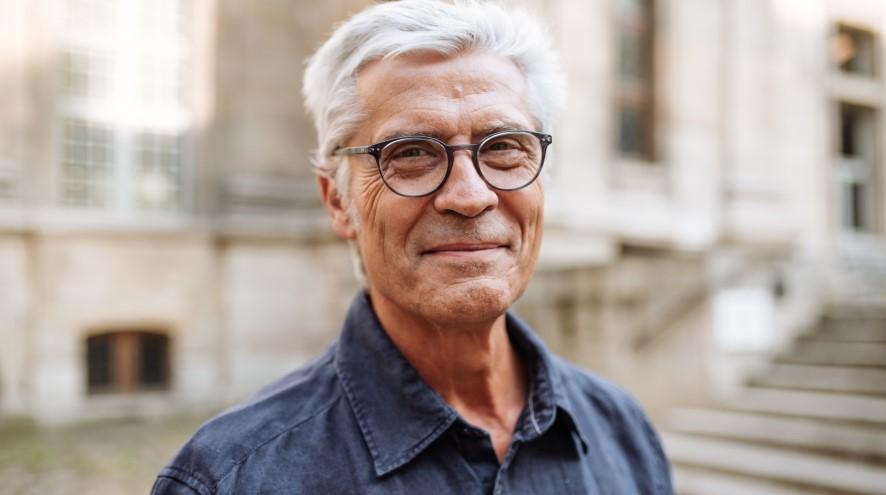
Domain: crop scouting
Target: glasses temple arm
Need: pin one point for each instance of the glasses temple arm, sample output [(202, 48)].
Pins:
[(359, 150)]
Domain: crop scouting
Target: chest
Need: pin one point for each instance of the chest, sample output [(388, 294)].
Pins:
[(553, 464)]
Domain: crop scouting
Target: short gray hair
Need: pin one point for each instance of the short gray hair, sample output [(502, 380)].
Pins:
[(446, 27)]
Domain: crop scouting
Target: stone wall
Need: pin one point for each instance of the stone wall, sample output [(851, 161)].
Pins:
[(16, 299), (238, 313), (642, 321), (250, 282)]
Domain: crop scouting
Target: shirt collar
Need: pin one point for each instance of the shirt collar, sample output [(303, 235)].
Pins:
[(548, 400), (400, 415)]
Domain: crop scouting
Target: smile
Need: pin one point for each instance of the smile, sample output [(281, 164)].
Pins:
[(468, 250)]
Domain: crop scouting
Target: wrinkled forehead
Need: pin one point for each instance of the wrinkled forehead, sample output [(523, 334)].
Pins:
[(426, 86), (461, 68)]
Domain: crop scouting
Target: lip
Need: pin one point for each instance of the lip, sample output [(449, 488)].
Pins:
[(465, 249)]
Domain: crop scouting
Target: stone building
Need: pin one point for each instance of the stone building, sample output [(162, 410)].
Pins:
[(163, 248)]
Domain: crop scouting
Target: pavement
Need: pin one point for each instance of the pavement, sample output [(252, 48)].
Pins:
[(101, 458)]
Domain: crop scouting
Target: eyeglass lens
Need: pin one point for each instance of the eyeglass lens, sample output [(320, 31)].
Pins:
[(417, 166)]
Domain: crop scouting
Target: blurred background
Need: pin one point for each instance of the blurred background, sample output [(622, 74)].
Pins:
[(715, 235)]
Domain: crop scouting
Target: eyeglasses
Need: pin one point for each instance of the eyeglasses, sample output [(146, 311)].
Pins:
[(415, 166)]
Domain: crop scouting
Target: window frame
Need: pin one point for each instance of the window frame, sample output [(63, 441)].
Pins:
[(633, 92), (126, 376), (126, 115), (842, 27)]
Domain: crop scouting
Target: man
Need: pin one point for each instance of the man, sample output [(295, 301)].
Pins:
[(432, 120)]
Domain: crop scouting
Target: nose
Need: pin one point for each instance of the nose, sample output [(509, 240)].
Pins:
[(465, 192)]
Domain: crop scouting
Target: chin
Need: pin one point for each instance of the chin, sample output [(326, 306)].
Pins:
[(468, 302)]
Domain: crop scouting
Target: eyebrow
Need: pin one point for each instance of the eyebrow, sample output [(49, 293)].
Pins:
[(401, 134), (501, 126), (498, 126)]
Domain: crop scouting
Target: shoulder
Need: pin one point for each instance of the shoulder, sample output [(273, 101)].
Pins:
[(613, 421), (586, 389), (278, 412)]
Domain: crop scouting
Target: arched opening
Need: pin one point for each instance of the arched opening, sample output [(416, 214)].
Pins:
[(127, 361)]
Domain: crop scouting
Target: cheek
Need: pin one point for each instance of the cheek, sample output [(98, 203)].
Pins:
[(369, 201), (386, 219), (530, 213)]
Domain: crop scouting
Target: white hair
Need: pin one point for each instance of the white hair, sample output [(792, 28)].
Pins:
[(446, 27), (391, 29)]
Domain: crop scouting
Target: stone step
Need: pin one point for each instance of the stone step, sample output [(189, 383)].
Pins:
[(843, 407), (853, 329), (696, 481), (824, 436), (846, 335), (824, 378), (809, 351), (851, 311), (787, 466)]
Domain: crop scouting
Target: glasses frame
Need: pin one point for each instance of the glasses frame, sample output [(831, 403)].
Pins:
[(376, 151)]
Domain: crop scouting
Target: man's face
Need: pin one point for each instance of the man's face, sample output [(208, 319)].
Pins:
[(465, 253)]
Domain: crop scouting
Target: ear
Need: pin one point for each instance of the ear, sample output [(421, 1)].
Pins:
[(336, 207)]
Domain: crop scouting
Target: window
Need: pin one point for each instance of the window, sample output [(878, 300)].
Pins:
[(159, 171), (8, 181), (85, 73), (855, 167), (90, 17), (124, 105), (634, 94), (87, 163), (121, 362), (854, 51)]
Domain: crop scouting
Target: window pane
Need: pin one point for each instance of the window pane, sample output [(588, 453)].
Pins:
[(90, 17), (84, 73), (634, 132), (635, 55), (856, 166), (634, 8), (857, 132), (163, 28), (855, 51), (154, 360), (99, 359), (848, 132), (165, 20), (87, 157), (857, 206), (159, 176), (635, 87), (126, 361), (161, 81)]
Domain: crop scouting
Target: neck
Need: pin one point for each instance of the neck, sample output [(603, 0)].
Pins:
[(472, 365)]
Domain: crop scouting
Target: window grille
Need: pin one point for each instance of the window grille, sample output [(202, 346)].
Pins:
[(159, 171), (124, 106), (87, 163)]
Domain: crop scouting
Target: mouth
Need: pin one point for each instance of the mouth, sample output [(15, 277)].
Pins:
[(465, 249)]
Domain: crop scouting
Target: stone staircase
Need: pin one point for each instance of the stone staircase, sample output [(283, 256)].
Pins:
[(813, 423)]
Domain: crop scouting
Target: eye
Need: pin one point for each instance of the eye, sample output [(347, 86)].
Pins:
[(502, 145), (410, 152)]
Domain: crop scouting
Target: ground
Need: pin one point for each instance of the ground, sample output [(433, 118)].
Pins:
[(106, 458)]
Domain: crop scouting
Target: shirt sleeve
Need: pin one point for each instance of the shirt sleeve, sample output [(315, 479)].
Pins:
[(662, 479), (173, 482)]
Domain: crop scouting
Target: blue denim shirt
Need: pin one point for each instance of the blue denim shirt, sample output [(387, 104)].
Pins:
[(361, 420)]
